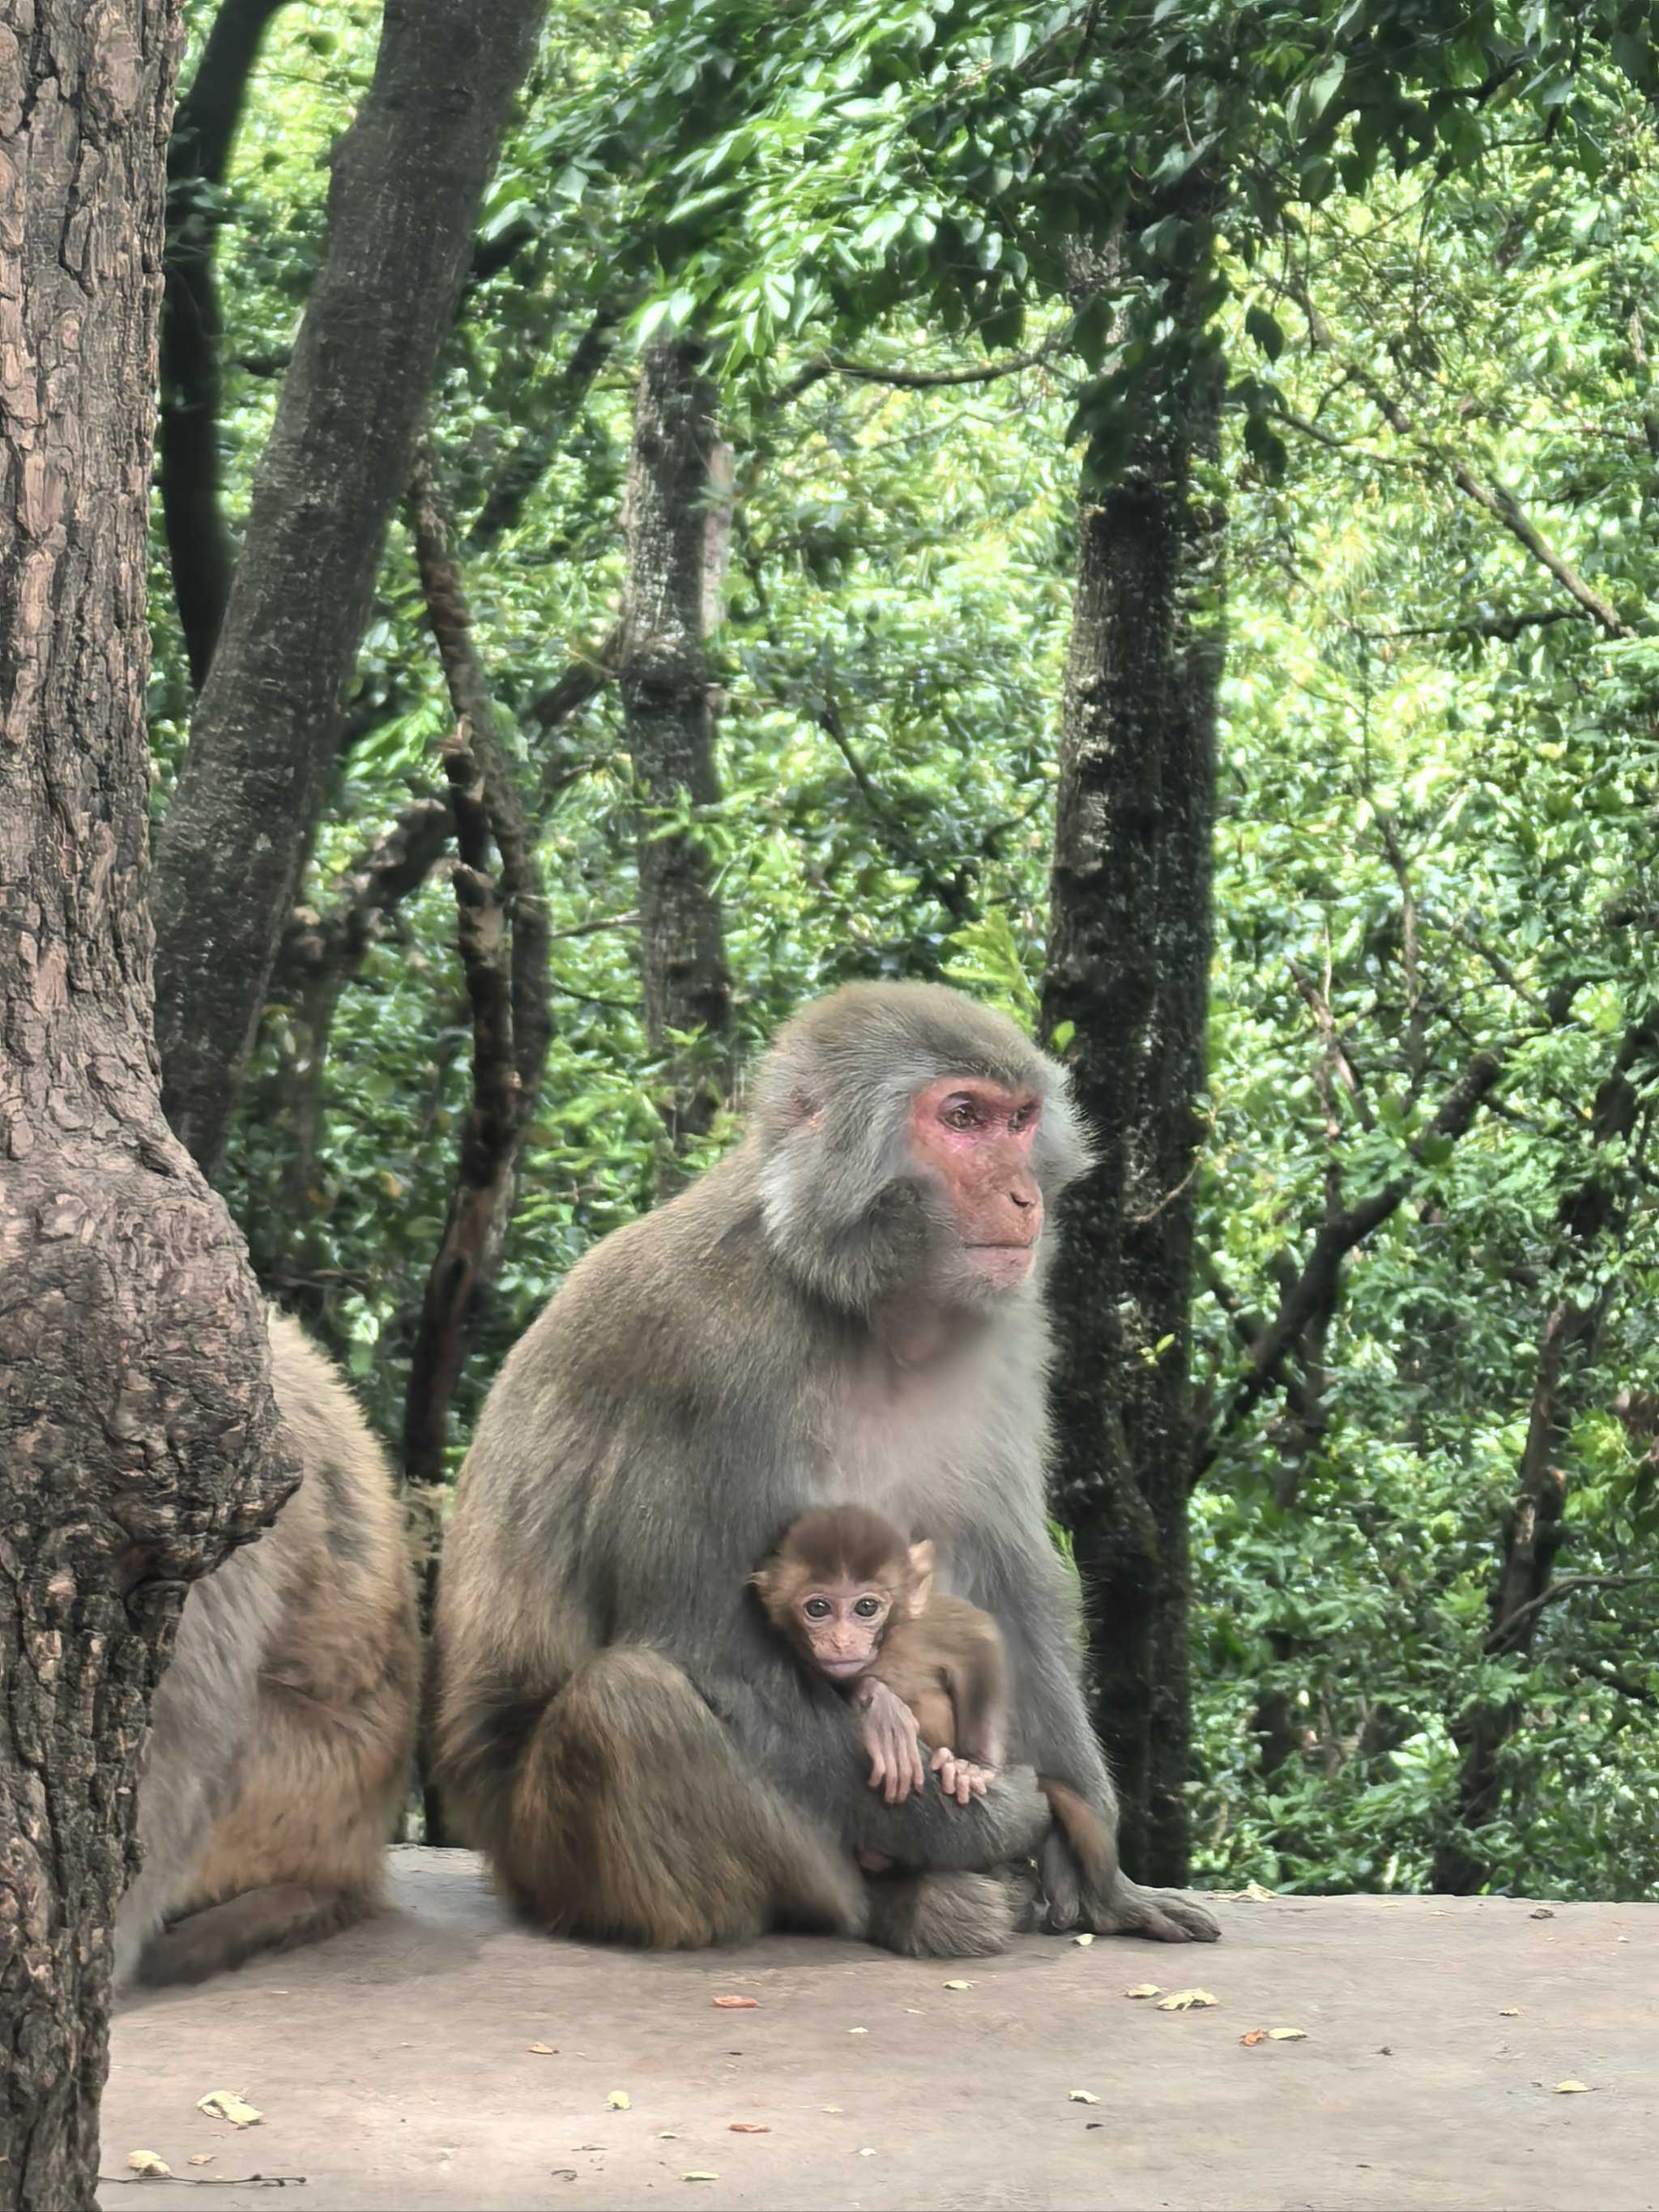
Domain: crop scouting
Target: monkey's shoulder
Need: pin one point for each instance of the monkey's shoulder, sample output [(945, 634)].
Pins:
[(692, 1292), (965, 1627)]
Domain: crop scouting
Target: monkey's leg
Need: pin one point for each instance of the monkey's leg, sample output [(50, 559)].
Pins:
[(636, 1817), (1084, 1883), (275, 1918), (945, 1914)]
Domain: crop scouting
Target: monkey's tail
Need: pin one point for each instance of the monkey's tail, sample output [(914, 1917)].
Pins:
[(277, 1918)]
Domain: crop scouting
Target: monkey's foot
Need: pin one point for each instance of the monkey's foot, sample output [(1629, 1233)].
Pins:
[(945, 1914), (1162, 1915), (220, 1936)]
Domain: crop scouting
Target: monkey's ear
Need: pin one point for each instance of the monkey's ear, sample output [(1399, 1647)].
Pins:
[(922, 1575), (804, 1107)]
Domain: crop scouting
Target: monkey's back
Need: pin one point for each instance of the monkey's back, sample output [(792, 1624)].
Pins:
[(281, 1731), (574, 1526), (948, 1664), (334, 1729)]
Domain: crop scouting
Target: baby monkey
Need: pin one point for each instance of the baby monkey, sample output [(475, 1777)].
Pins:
[(858, 1603)]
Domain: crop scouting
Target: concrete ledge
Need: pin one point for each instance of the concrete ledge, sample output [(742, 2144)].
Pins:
[(393, 2068)]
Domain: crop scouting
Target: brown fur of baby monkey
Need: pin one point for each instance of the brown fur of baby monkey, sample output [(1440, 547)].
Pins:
[(281, 1731), (941, 1659), (857, 1601)]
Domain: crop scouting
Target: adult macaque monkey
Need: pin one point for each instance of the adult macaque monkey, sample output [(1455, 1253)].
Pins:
[(281, 1732), (857, 1604), (848, 1308)]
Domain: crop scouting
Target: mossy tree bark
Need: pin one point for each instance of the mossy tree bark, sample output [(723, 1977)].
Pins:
[(678, 530), (1127, 990)]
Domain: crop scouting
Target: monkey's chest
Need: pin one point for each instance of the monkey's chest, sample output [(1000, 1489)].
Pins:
[(918, 1449)]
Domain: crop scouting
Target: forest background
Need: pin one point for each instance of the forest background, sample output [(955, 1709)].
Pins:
[(891, 466)]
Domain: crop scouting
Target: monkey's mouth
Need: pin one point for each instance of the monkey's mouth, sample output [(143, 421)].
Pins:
[(840, 1668)]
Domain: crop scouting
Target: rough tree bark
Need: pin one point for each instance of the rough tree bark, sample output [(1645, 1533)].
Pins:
[(501, 929), (407, 180), (678, 532), (138, 1438), (1128, 970), (320, 955), (200, 548)]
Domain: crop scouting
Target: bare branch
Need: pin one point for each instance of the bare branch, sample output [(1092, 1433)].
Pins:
[(1314, 1289), (951, 895), (1347, 1072), (501, 934), (1500, 1636), (917, 379)]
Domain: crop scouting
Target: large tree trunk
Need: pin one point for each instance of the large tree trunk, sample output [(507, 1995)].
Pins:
[(407, 181), (199, 545), (1128, 971), (678, 530), (138, 1439)]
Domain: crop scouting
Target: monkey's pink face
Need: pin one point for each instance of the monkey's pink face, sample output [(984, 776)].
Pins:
[(977, 1138), (842, 1624)]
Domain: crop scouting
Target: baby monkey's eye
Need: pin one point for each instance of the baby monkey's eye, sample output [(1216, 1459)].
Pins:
[(867, 1608), (817, 1609)]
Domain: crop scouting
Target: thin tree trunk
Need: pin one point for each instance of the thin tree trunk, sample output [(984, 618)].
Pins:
[(199, 545), (138, 1438), (678, 530), (320, 955), (501, 927), (408, 177), (1129, 968)]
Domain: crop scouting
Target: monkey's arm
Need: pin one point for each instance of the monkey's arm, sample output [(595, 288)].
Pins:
[(891, 1738), (810, 1746), (979, 1691)]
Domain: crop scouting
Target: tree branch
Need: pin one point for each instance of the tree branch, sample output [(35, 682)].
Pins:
[(1499, 1637), (1494, 499), (200, 550), (1347, 1072), (1315, 1288), (502, 935), (952, 896), (916, 380)]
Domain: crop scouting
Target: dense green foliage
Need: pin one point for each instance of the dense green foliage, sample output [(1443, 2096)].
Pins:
[(1440, 770)]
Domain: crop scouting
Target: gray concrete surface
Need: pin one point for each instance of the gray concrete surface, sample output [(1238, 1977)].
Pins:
[(393, 2067)]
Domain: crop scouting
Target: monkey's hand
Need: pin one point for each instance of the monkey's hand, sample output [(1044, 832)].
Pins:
[(961, 1778), (893, 1740), (1104, 1901)]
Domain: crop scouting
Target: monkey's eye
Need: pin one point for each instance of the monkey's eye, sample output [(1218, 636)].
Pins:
[(1023, 1116), (960, 1113), (817, 1608), (867, 1608)]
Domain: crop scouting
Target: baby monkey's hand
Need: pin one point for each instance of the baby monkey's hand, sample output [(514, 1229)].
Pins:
[(960, 1778), (893, 1740)]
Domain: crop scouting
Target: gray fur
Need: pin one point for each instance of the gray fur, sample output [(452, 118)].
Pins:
[(775, 1338)]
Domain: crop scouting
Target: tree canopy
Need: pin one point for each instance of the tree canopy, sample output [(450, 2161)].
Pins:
[(945, 263)]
